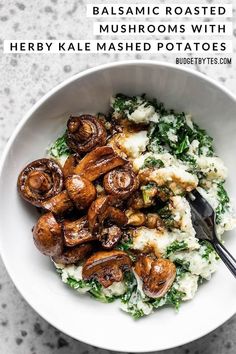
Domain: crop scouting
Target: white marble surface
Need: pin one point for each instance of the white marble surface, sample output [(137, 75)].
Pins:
[(23, 80)]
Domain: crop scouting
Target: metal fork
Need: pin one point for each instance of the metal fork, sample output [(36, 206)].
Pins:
[(203, 217)]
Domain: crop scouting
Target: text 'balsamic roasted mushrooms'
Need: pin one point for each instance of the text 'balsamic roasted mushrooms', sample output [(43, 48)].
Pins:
[(85, 132), (39, 181), (98, 162), (106, 267), (48, 236), (157, 275), (121, 182)]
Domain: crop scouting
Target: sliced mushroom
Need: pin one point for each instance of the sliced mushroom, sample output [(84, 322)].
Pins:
[(85, 132), (101, 210), (59, 204), (40, 180), (121, 182), (47, 235), (157, 275), (98, 162), (76, 232), (96, 212), (74, 254), (106, 267), (80, 190), (70, 164)]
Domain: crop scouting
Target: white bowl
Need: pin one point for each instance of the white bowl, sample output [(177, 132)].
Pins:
[(81, 317)]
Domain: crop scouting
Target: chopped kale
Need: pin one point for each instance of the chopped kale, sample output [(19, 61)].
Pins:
[(181, 263), (167, 216), (223, 200), (78, 284), (175, 124), (91, 286), (96, 291), (152, 162), (59, 147), (133, 301), (176, 246), (173, 298), (125, 243), (208, 249), (148, 192), (131, 285)]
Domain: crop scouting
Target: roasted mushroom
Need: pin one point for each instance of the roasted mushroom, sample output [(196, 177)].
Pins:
[(85, 132), (47, 235), (79, 193), (74, 254), (157, 275), (76, 232), (135, 218), (39, 181), (98, 162), (80, 190), (153, 221), (70, 164), (106, 267), (101, 210), (110, 236), (59, 204), (121, 182)]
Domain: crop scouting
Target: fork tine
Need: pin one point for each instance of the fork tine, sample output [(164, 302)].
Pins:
[(200, 204)]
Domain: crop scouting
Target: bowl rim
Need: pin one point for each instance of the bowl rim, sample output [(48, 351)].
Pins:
[(27, 116)]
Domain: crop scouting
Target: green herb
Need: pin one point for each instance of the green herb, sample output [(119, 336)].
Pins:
[(173, 297), (93, 287), (96, 291), (176, 124), (131, 285), (124, 104), (176, 246), (152, 162), (223, 200), (78, 284), (148, 192), (132, 300), (181, 263), (167, 216), (183, 146), (125, 243), (59, 147), (208, 249), (205, 141)]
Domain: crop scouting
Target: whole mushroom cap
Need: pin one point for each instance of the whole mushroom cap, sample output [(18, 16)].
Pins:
[(85, 132), (157, 275), (80, 190), (121, 182), (39, 181), (47, 235)]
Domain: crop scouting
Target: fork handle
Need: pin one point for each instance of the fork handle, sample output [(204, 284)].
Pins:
[(226, 257)]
